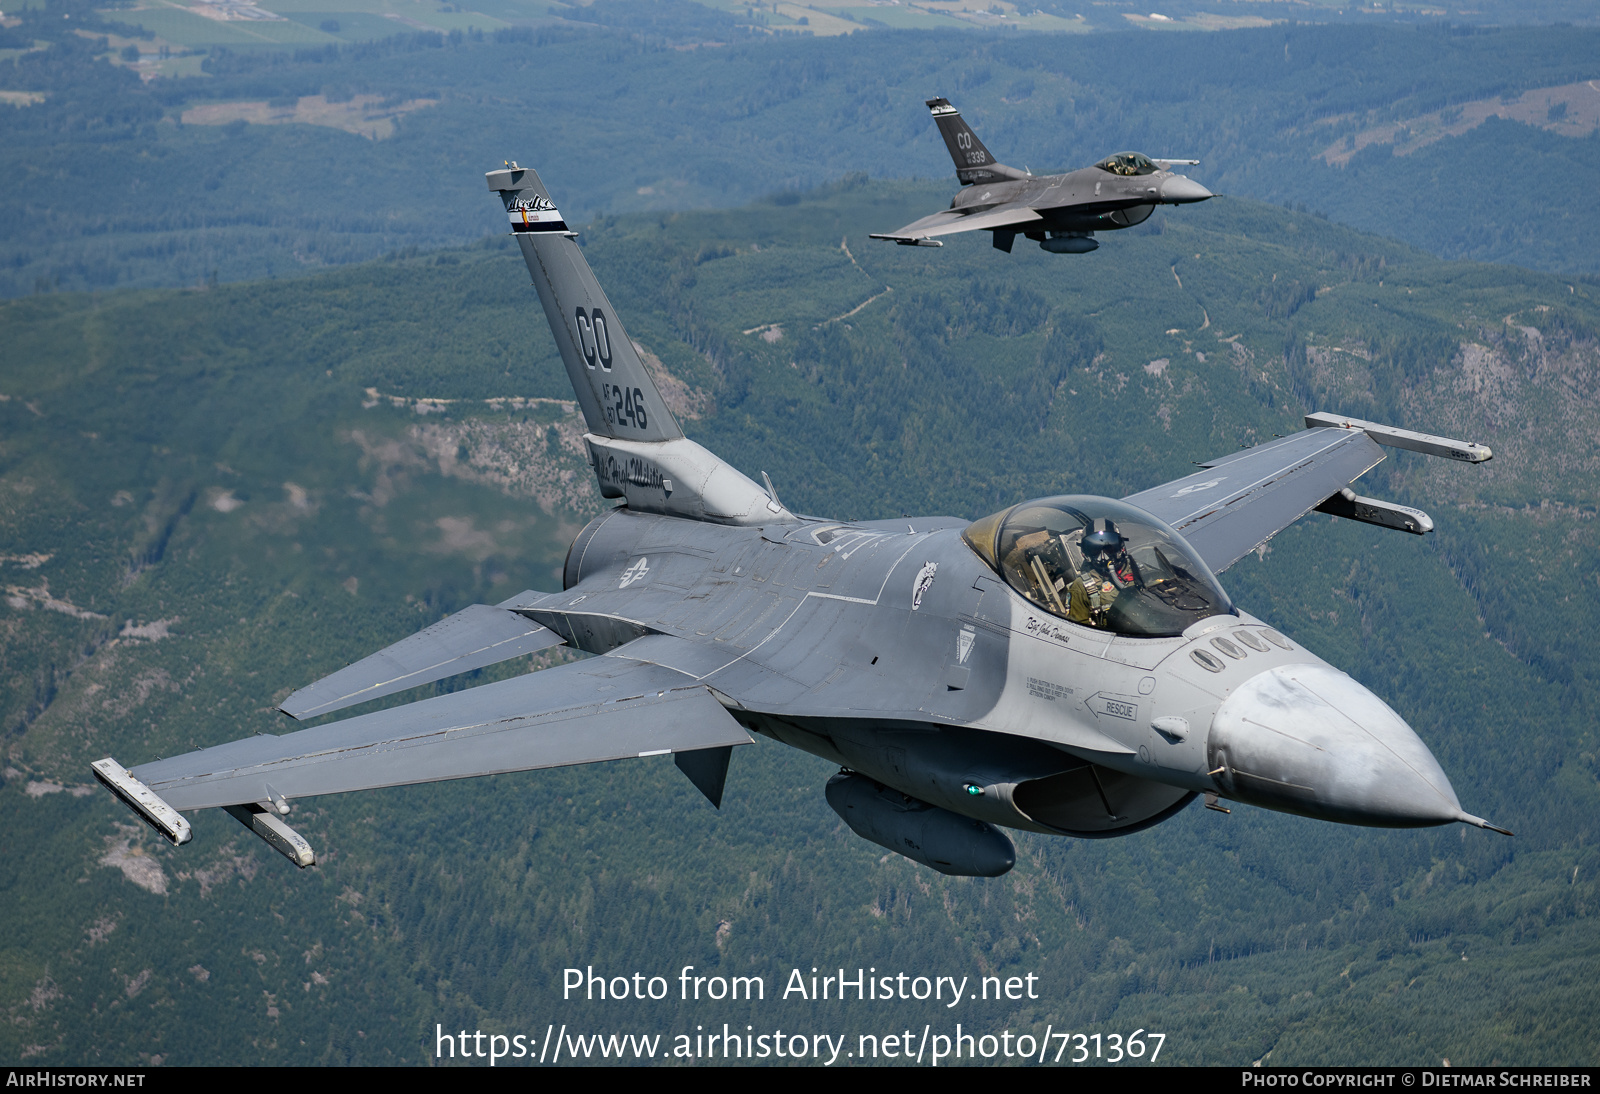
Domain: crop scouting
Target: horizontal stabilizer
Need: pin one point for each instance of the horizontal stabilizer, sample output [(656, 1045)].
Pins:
[(1427, 443), (602, 708), (473, 638), (1385, 514)]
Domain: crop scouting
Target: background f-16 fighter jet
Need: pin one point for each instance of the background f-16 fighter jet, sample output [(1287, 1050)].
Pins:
[(1061, 212), (1069, 665)]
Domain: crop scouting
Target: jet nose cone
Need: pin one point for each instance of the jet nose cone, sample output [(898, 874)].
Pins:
[(1180, 190), (1308, 739)]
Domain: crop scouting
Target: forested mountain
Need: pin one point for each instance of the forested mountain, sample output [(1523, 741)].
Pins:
[(210, 496), (1466, 142)]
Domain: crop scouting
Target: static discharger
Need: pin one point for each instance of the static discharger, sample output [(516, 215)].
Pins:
[(145, 803)]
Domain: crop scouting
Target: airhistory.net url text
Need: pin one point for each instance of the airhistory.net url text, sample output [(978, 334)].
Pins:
[(909, 1046)]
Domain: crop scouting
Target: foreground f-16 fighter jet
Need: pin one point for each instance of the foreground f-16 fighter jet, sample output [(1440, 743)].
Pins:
[(1060, 212), (1069, 665)]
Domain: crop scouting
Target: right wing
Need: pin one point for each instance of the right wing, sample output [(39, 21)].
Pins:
[(949, 221), (1243, 499), (602, 708)]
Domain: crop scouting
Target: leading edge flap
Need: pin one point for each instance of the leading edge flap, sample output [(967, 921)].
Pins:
[(616, 392)]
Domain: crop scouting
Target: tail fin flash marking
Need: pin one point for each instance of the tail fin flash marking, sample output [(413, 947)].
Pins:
[(534, 214)]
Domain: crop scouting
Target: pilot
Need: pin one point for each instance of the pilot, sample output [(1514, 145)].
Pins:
[(1108, 569)]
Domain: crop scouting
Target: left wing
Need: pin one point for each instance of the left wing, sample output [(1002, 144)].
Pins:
[(949, 221), (1244, 499), (603, 708)]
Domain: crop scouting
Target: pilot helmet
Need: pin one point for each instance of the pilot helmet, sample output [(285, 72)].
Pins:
[(1107, 543)]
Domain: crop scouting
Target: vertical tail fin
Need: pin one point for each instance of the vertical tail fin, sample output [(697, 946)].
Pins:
[(635, 445), (974, 163), (616, 393)]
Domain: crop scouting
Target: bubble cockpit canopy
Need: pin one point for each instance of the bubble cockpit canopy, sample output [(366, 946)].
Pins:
[(1100, 563), (1128, 163)]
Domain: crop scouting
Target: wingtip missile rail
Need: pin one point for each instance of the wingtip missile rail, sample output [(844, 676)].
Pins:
[(1426, 443), (145, 803), (154, 810)]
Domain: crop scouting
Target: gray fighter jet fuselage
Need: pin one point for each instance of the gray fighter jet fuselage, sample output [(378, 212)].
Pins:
[(1070, 665), (1060, 212)]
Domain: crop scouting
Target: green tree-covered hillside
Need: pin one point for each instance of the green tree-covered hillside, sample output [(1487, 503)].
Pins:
[(210, 497), (271, 163)]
